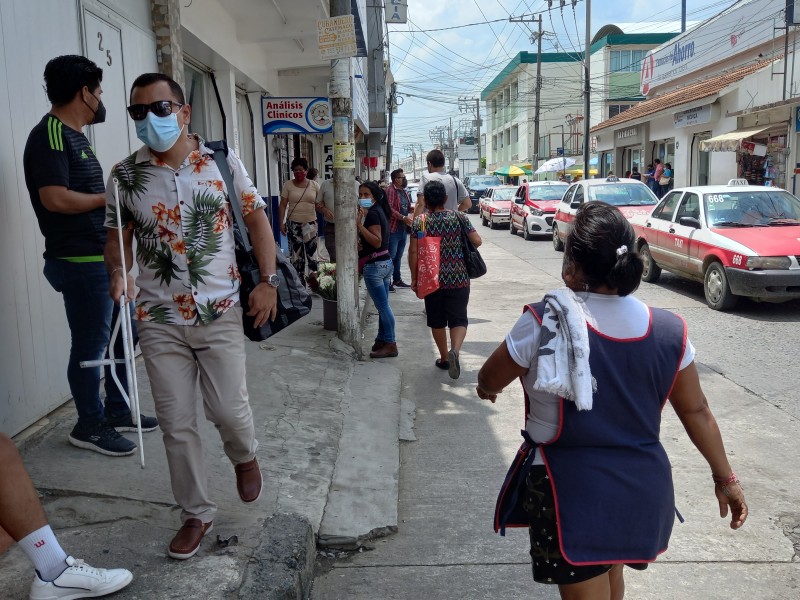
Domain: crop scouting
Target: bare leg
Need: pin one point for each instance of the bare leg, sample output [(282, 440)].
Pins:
[(457, 335), (20, 510), (596, 588), (617, 577), (440, 337)]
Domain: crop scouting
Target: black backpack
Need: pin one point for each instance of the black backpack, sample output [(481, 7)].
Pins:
[(294, 300)]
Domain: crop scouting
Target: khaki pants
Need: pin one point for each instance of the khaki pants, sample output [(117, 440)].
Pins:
[(175, 355)]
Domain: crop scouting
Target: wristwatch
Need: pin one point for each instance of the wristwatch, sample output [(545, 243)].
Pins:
[(271, 280)]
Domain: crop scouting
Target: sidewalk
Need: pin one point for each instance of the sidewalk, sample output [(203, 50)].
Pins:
[(327, 425)]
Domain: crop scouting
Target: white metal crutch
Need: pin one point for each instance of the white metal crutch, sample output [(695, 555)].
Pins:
[(131, 395)]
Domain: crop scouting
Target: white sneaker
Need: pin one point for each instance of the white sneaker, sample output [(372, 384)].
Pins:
[(80, 581)]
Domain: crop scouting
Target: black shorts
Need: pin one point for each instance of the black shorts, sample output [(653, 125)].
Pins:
[(447, 308)]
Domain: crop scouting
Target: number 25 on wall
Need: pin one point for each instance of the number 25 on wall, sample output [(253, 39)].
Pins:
[(100, 47)]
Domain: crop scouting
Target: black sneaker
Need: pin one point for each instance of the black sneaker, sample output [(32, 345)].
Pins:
[(125, 423), (401, 284), (391, 288), (102, 439)]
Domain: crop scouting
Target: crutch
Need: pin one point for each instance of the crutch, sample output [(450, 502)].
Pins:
[(131, 395)]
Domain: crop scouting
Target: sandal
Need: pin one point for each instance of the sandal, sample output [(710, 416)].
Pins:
[(442, 364)]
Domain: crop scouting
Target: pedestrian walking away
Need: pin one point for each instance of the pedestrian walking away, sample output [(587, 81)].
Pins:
[(66, 187), (447, 306), (298, 218), (374, 261), (190, 324), (398, 223), (457, 196), (22, 519), (597, 366)]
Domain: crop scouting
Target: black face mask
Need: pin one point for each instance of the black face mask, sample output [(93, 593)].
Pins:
[(99, 112)]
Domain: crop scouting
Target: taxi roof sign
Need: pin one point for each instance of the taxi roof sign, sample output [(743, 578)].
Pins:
[(738, 182)]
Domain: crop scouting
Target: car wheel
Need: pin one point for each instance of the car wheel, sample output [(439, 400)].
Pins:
[(718, 292), (484, 222), (491, 223), (526, 233), (651, 271), (511, 229), (558, 245)]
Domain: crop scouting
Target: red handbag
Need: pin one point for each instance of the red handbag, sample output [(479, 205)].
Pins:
[(428, 260)]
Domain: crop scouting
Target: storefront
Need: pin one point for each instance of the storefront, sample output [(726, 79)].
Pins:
[(629, 148), (761, 152)]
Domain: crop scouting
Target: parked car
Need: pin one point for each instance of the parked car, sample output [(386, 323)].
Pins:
[(477, 185), (630, 196), (534, 207), (737, 239), (495, 205)]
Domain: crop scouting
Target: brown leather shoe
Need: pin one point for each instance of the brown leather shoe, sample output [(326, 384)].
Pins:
[(378, 345), (388, 351), (248, 481), (186, 542)]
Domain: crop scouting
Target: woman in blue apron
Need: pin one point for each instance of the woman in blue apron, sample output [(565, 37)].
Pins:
[(592, 481)]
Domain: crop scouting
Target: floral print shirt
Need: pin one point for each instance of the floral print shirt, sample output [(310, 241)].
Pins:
[(182, 224)]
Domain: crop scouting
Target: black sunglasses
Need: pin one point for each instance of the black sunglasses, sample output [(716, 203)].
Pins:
[(160, 108)]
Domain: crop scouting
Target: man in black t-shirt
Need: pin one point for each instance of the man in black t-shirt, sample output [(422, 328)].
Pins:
[(67, 191)]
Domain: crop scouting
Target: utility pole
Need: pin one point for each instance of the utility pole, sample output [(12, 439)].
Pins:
[(451, 145), (349, 329), (478, 134), (538, 88), (391, 104), (586, 89)]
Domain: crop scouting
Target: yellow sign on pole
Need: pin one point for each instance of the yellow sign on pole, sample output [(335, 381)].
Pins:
[(344, 155), (337, 37)]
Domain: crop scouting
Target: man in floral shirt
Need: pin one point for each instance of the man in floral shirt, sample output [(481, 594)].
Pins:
[(173, 200)]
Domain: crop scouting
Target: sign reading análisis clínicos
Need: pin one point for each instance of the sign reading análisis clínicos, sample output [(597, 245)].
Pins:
[(295, 115)]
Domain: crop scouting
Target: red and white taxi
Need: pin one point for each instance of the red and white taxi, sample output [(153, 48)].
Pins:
[(737, 239), (630, 196), (534, 206), (495, 205)]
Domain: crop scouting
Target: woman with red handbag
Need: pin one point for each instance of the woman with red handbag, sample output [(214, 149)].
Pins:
[(447, 305)]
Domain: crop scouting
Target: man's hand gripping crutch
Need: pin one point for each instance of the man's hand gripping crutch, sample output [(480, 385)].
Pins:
[(124, 297)]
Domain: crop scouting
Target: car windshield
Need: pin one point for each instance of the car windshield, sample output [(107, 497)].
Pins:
[(546, 192), (743, 208), (504, 194), (484, 181), (623, 194)]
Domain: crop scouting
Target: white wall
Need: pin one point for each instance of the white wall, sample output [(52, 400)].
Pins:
[(34, 337)]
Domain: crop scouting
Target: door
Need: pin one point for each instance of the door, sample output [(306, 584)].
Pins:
[(701, 159), (688, 259), (104, 47), (659, 224)]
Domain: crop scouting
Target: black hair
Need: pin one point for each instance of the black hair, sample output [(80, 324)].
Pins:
[(300, 162), (65, 76), (396, 173), (668, 165), (595, 248), (656, 161), (436, 158), (146, 79), (435, 194), (635, 169), (312, 173), (379, 195)]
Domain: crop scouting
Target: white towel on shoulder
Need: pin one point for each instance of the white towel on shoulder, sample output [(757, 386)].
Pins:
[(563, 355)]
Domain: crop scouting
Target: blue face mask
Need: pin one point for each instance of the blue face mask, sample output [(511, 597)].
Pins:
[(159, 133), (365, 202)]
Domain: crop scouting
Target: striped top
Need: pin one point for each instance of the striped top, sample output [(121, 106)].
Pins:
[(447, 225), (57, 155)]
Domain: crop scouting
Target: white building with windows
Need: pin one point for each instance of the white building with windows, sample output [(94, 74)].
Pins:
[(228, 54)]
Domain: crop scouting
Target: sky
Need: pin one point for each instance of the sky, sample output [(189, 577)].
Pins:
[(433, 69)]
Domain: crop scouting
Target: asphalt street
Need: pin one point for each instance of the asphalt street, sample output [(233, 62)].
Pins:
[(451, 472)]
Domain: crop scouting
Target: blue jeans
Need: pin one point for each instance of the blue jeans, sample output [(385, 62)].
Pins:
[(397, 245), (90, 315), (377, 277)]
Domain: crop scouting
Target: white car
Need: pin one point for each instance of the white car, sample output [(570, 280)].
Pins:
[(737, 239), (535, 206), (630, 196)]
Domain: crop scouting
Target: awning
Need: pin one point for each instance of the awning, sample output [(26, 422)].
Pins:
[(729, 142)]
